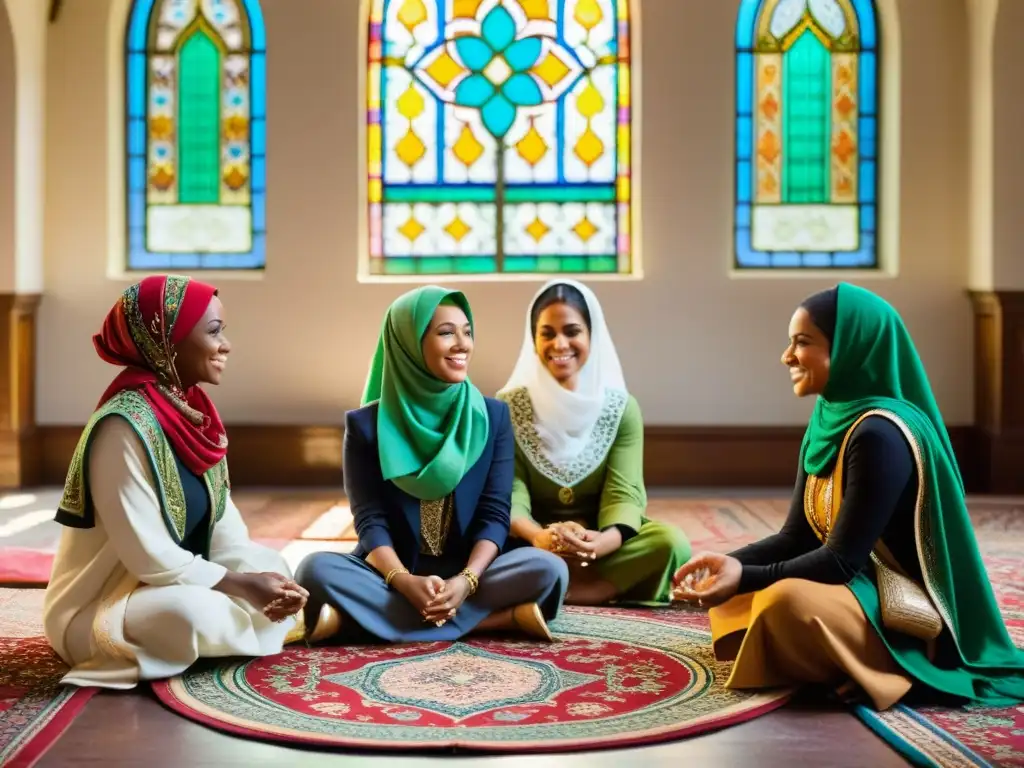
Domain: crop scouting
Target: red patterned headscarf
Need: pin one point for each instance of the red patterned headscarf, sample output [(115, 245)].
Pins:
[(140, 333)]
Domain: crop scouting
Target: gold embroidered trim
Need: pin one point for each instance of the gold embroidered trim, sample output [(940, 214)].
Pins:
[(606, 429), (922, 518), (435, 521), (133, 407)]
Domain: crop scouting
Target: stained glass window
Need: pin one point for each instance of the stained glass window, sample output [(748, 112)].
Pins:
[(806, 134), (498, 137), (196, 135)]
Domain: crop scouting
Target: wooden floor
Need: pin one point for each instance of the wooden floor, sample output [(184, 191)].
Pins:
[(133, 729)]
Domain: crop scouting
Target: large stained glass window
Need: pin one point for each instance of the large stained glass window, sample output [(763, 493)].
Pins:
[(196, 135), (499, 137), (806, 134)]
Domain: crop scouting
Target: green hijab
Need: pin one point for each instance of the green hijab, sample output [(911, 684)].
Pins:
[(429, 433), (874, 365)]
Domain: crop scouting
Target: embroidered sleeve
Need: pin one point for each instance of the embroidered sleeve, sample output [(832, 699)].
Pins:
[(624, 497)]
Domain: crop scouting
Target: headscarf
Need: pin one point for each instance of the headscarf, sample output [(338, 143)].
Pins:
[(429, 433), (140, 333), (564, 418), (874, 365)]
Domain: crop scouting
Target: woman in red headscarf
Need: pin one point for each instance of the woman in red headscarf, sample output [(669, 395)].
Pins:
[(155, 567)]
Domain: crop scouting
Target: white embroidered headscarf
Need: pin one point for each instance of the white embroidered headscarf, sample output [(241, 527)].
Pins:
[(564, 418)]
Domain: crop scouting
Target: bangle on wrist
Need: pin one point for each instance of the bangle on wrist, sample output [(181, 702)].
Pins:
[(471, 578), (392, 573)]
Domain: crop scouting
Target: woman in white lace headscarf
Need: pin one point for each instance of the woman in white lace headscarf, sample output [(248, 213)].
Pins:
[(579, 486)]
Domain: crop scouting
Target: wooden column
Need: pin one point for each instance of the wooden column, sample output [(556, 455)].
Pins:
[(19, 444), (999, 390)]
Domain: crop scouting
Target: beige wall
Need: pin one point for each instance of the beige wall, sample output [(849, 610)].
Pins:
[(1008, 119), (7, 123), (698, 346)]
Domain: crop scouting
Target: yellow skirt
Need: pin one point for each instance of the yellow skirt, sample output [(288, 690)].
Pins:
[(798, 631)]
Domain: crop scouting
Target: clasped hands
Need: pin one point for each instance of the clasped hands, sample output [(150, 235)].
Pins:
[(434, 598), (570, 540), (708, 579)]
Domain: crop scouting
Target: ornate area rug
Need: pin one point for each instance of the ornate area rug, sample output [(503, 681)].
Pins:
[(969, 736), (615, 678), (34, 709)]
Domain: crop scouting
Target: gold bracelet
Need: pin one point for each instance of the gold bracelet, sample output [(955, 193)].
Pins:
[(472, 578), (392, 573)]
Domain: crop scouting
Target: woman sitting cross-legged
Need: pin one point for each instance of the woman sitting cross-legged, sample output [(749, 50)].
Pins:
[(874, 584), (579, 487), (428, 467), (155, 568)]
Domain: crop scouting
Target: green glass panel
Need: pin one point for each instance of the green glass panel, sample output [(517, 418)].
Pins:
[(604, 264), (476, 264), (549, 264), (438, 194), (520, 264), (199, 120), (806, 99), (574, 263), (434, 265), (400, 266), (560, 194)]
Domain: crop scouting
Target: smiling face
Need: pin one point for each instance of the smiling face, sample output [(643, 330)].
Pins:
[(448, 344), (562, 341), (807, 356), (203, 354)]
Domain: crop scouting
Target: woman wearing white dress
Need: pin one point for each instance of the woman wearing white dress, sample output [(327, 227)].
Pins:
[(155, 567)]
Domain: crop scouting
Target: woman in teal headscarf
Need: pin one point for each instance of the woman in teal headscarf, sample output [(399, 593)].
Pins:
[(428, 466), (875, 583)]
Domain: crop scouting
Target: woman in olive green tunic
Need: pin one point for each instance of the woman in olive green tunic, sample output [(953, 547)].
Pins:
[(579, 486)]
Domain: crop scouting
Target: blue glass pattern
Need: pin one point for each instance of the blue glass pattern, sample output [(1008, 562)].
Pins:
[(865, 257), (139, 258)]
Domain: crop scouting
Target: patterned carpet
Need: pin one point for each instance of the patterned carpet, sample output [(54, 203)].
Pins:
[(614, 679), (34, 709)]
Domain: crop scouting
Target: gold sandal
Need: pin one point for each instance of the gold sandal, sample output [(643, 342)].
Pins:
[(530, 620), (328, 623)]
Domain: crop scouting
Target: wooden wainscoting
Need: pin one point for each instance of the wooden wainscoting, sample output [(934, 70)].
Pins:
[(19, 444), (726, 457), (999, 389)]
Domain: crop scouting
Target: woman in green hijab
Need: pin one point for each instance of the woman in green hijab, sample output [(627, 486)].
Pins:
[(428, 467), (875, 583)]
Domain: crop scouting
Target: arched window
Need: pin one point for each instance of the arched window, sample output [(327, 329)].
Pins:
[(195, 135), (498, 137), (806, 134)]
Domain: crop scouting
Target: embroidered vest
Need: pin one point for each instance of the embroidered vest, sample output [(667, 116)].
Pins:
[(75, 506)]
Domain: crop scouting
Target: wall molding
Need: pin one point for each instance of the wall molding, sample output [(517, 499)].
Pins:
[(708, 457)]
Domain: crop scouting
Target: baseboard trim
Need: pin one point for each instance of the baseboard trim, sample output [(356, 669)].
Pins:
[(726, 457)]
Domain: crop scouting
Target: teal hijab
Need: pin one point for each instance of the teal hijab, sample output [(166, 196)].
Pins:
[(429, 432), (874, 364)]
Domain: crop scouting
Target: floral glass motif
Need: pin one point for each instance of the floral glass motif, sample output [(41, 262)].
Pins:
[(196, 135), (498, 137), (806, 134)]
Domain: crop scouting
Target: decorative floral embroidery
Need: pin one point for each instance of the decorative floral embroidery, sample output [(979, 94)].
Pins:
[(435, 520), (578, 469), (174, 294)]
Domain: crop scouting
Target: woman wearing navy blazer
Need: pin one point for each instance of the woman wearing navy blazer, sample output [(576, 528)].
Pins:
[(428, 465)]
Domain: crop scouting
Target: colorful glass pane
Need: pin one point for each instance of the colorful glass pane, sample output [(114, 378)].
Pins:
[(499, 136), (806, 134), (196, 135)]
